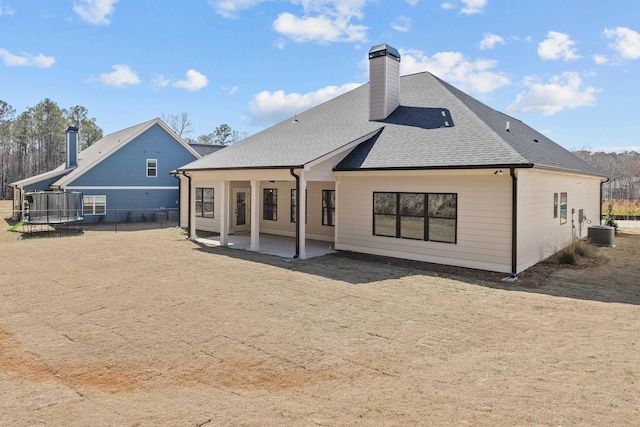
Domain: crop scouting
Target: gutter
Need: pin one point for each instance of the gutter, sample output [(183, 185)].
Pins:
[(297, 213), (600, 207)]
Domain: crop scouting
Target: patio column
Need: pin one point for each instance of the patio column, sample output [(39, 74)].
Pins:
[(255, 216), (302, 208), (192, 210), (224, 213)]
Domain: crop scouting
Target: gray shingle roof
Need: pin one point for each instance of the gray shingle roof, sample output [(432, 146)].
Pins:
[(436, 126), (206, 149)]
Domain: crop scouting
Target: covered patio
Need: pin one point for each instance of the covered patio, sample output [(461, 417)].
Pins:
[(270, 244)]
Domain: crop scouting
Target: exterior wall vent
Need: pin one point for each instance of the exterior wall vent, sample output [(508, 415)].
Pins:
[(384, 81)]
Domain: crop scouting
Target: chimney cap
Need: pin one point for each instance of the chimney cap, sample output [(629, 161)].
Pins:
[(71, 129), (384, 50)]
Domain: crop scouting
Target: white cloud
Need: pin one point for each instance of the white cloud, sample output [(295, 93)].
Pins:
[(26, 60), (194, 82), (97, 12), (160, 81), (5, 10), (230, 90), (626, 43), (473, 6), (412, 2), (323, 28), (402, 24), (121, 76), (490, 40), (230, 8), (448, 6), (557, 46), (600, 59), (563, 92), (453, 67), (267, 107)]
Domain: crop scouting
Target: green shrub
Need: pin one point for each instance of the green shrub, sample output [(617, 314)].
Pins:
[(609, 220), (129, 217)]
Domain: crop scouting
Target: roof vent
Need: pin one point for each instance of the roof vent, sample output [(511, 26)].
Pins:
[(507, 126)]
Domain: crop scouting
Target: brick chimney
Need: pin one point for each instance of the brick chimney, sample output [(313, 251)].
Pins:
[(384, 81), (72, 147)]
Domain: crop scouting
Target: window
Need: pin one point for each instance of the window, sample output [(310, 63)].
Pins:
[(555, 205), (204, 202), (152, 167), (94, 205), (563, 208), (270, 204), (294, 206), (328, 207), (418, 216)]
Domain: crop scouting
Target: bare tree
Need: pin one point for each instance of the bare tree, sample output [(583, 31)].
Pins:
[(180, 124)]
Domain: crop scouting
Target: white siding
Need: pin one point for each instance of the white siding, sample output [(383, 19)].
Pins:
[(484, 217), (540, 235)]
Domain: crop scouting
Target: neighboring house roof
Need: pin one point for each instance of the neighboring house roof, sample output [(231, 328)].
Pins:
[(436, 126), (60, 170), (103, 148), (206, 149)]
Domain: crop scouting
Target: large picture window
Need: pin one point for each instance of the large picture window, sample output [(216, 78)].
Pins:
[(94, 205), (418, 216), (270, 204), (328, 207), (204, 202), (563, 208)]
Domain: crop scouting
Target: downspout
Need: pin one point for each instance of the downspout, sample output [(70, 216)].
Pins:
[(297, 213), (514, 225), (188, 210), (600, 207)]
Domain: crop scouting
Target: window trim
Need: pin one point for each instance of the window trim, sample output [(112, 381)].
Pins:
[(398, 216), (331, 210), (555, 205), (273, 192), (153, 168), (92, 198), (201, 213)]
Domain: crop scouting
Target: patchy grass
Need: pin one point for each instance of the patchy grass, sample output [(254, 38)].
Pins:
[(148, 328)]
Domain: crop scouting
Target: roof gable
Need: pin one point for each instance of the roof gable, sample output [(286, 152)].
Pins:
[(105, 147)]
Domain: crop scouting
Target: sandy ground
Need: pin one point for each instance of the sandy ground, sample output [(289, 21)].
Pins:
[(145, 328)]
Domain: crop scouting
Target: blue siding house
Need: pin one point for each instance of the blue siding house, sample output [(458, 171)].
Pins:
[(125, 174)]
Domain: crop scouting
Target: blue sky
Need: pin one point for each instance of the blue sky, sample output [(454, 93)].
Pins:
[(568, 68)]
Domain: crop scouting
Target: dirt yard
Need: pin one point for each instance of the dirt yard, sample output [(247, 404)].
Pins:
[(145, 328)]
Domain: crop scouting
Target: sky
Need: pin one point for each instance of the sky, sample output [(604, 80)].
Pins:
[(568, 68)]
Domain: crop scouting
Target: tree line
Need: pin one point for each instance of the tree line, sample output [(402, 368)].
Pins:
[(623, 170), (33, 141)]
